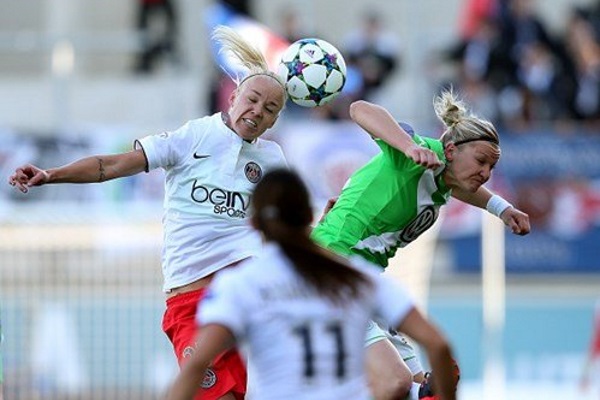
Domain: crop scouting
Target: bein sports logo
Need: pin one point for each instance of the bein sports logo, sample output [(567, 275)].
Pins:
[(231, 203)]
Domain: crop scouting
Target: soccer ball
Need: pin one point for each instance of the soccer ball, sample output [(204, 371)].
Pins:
[(314, 72)]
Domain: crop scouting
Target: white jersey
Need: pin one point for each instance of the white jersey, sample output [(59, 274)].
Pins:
[(299, 345), (210, 174)]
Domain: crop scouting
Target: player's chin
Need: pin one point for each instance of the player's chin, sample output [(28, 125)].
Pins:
[(250, 134), (474, 186)]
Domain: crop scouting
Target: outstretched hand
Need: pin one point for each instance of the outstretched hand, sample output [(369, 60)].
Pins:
[(27, 176), (516, 220), (423, 156)]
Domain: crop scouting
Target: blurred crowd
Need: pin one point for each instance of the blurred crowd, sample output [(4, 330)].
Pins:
[(506, 61), (521, 74), (372, 54), (371, 51)]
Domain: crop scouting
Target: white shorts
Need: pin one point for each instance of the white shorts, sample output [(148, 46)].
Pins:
[(375, 333)]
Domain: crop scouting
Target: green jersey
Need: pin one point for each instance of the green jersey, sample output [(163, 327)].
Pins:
[(385, 205)]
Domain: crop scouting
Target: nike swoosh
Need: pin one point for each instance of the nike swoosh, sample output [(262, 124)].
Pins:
[(200, 156)]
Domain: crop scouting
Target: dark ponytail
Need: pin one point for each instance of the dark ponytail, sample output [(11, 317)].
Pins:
[(282, 212)]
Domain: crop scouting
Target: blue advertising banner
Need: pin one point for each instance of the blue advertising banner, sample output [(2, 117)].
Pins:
[(556, 180)]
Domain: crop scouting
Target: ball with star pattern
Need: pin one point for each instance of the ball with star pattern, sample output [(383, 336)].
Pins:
[(314, 72)]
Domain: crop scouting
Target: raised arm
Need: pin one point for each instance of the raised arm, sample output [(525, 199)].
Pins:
[(379, 123), (515, 219), (98, 168)]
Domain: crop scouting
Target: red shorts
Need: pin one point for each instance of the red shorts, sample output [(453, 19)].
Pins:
[(227, 373)]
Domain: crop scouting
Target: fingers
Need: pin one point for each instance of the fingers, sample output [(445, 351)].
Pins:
[(37, 179), (519, 225), (426, 158), (19, 180), (25, 177), (13, 181), (523, 229), (515, 228)]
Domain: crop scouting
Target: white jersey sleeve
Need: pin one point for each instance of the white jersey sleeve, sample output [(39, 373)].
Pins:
[(166, 148)]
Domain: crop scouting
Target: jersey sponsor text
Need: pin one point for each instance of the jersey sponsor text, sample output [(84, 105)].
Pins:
[(231, 203)]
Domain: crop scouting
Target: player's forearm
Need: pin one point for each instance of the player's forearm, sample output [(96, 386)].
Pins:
[(484, 198), (186, 384), (88, 170), (85, 170), (478, 199), (98, 168), (442, 365), (379, 123)]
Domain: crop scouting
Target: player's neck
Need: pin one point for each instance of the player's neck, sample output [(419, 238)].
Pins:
[(227, 121)]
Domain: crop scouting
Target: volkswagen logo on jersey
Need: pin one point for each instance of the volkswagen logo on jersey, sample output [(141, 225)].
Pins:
[(253, 172), (420, 224), (209, 380)]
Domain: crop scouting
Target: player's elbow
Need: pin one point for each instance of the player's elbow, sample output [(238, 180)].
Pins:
[(395, 388), (357, 109)]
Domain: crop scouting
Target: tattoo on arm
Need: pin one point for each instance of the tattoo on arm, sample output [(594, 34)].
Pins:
[(101, 171)]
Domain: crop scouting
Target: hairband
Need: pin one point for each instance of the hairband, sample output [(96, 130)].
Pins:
[(485, 139), (268, 73)]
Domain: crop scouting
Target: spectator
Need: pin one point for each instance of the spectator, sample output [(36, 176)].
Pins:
[(291, 27), (584, 50), (374, 51), (540, 74), (157, 25), (473, 14)]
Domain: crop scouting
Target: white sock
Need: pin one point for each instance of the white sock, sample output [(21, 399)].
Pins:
[(414, 391)]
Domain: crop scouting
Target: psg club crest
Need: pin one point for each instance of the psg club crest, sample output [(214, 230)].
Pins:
[(253, 172), (209, 380)]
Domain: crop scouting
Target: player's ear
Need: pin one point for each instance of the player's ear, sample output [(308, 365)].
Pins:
[(449, 151), (274, 120), (232, 97)]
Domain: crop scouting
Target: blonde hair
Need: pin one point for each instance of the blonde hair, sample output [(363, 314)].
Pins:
[(462, 126), (249, 56)]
